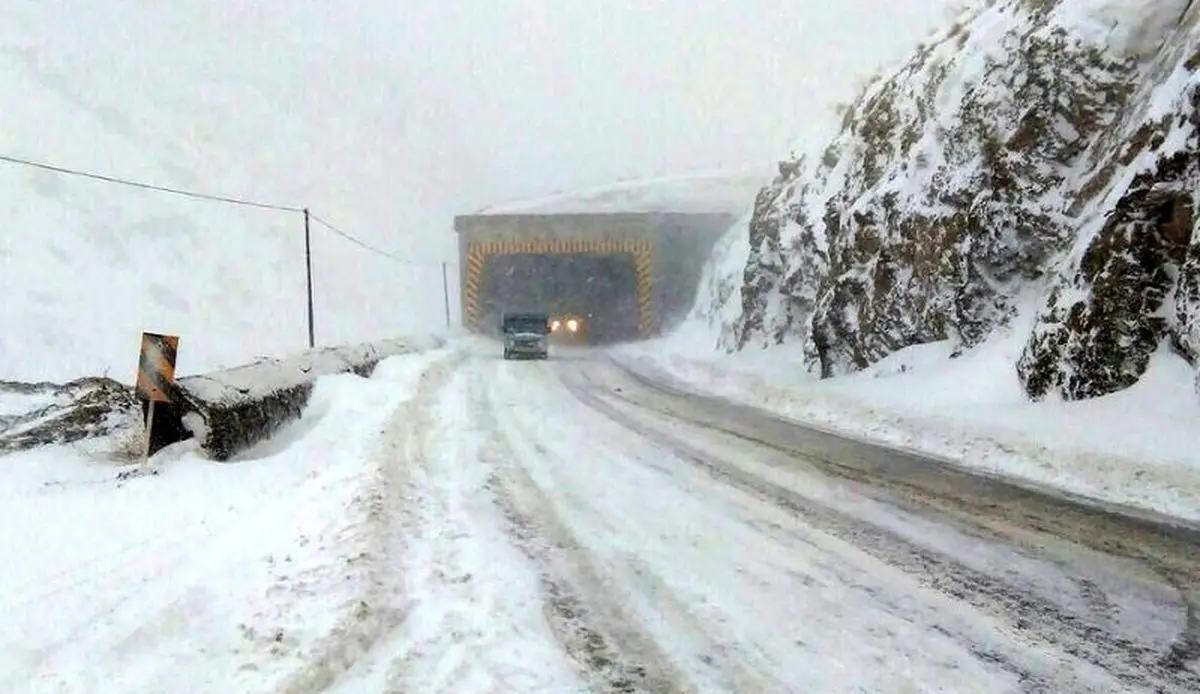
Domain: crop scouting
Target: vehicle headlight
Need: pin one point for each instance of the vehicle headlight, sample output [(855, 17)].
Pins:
[(572, 325), (555, 325)]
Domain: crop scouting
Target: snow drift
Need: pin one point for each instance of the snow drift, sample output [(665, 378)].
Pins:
[(262, 577), (1035, 156)]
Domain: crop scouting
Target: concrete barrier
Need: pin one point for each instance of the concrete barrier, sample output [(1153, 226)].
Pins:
[(229, 411), (226, 411)]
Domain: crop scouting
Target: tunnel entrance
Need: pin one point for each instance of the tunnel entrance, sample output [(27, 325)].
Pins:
[(601, 288)]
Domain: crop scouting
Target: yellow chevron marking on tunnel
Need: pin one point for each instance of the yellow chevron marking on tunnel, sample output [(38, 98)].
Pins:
[(643, 258), (477, 254)]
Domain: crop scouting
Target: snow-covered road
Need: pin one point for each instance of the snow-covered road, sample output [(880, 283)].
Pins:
[(571, 526)]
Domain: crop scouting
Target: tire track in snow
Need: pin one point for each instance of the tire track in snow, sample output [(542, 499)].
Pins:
[(377, 612), (632, 597), (812, 514), (721, 642), (1131, 662), (1024, 514), (591, 628), (1034, 616), (468, 625)]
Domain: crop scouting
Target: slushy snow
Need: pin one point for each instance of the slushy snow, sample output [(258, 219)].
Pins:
[(1133, 447)]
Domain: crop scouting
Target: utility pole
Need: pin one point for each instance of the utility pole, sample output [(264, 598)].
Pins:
[(446, 293), (308, 273)]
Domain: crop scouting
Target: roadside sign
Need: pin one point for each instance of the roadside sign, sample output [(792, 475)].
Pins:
[(156, 366)]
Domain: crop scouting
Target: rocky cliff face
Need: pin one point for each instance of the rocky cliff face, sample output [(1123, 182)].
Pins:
[(1036, 150), (1132, 277)]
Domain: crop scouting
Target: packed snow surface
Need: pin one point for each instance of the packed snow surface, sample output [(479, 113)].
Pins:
[(226, 577), (461, 523)]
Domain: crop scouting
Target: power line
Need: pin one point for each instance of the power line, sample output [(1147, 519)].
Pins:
[(363, 244), (214, 198), (148, 186), (308, 216)]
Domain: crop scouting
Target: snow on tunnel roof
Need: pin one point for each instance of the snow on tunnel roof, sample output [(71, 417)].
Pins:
[(711, 193)]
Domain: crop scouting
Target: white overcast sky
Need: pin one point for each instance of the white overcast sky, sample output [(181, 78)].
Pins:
[(531, 96), (395, 115)]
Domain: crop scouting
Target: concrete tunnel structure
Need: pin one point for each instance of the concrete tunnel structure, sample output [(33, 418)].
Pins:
[(627, 257), (628, 274)]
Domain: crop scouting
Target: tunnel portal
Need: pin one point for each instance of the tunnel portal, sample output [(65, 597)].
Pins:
[(628, 274), (600, 290)]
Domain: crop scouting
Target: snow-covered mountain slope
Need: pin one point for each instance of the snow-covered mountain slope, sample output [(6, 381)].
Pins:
[(1032, 156), (162, 93), (728, 192)]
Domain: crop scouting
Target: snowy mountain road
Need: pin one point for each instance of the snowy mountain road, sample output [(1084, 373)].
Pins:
[(673, 542), (1102, 588), (460, 523)]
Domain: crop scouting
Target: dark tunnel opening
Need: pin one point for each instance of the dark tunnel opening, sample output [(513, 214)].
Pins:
[(600, 288)]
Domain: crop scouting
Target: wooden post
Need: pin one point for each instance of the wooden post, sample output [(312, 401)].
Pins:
[(149, 433), (308, 275), (446, 293)]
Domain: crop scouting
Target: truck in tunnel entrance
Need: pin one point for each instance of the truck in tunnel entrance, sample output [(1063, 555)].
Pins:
[(602, 278), (591, 298)]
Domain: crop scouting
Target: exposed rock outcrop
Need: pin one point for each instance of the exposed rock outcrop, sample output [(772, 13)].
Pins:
[(1035, 148), (52, 413), (1133, 279)]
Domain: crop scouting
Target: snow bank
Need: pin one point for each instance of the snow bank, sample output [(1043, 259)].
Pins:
[(1135, 447), (248, 578), (230, 410)]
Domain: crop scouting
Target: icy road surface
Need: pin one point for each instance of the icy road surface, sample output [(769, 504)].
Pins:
[(581, 525)]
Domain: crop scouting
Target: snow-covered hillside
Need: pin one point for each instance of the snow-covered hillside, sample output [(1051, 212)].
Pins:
[(160, 93), (384, 118), (1034, 157)]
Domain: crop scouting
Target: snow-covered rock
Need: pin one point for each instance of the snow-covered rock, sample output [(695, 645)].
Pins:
[(37, 414), (1033, 151), (1132, 277)]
